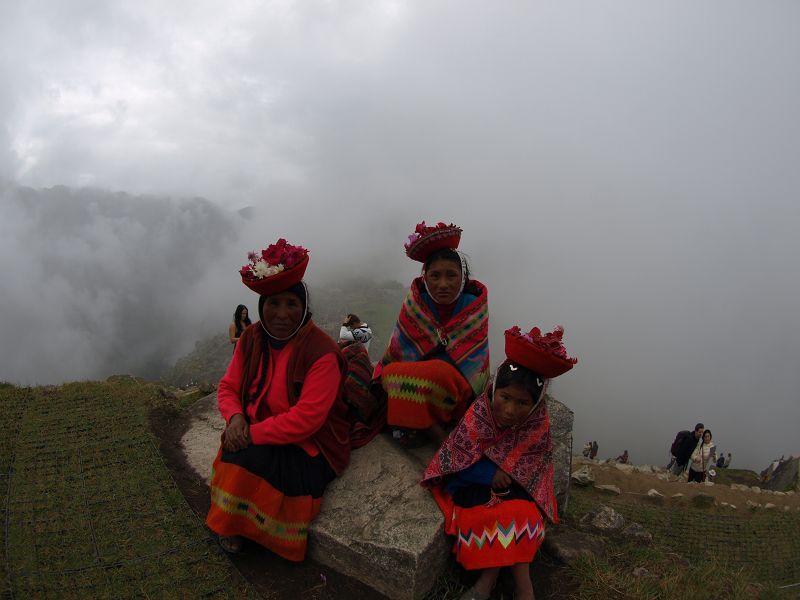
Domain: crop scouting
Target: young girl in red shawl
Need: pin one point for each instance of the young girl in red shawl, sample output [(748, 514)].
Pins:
[(493, 476)]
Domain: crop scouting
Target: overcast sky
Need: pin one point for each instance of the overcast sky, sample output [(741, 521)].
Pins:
[(626, 169)]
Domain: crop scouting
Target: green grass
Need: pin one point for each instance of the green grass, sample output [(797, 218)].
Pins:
[(668, 576), (730, 554), (90, 509)]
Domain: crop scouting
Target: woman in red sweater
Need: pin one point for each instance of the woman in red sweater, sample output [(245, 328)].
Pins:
[(287, 435)]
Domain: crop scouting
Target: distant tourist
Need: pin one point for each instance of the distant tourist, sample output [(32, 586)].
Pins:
[(493, 475), (727, 461), (240, 322), (702, 458), (287, 434), (437, 361), (683, 446), (587, 449), (355, 330), (593, 453), (623, 458)]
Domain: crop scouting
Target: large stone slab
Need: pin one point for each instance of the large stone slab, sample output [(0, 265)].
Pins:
[(201, 440), (377, 524)]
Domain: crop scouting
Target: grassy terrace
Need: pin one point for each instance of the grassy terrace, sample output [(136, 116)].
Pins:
[(698, 551), (90, 509)]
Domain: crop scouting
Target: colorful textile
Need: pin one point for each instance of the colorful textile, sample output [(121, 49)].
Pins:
[(268, 494), (524, 452), (367, 411), (357, 381), (463, 341), (495, 534), (423, 393)]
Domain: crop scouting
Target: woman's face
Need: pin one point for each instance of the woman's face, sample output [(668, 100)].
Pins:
[(707, 437), (443, 278), (282, 314), (511, 405), (244, 314)]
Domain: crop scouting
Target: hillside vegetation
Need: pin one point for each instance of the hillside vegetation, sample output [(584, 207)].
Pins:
[(91, 510), (375, 303)]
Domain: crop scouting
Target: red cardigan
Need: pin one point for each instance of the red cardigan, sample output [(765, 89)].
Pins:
[(314, 419)]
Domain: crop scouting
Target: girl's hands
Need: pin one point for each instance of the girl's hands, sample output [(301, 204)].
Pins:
[(237, 434), (501, 480)]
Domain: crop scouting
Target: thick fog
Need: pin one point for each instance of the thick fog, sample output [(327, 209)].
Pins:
[(626, 169)]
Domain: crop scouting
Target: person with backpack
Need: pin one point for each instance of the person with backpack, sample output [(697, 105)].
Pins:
[(287, 433), (355, 330), (721, 460), (683, 446)]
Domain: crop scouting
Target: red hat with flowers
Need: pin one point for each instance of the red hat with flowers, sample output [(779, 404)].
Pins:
[(426, 240), (275, 269), (542, 354)]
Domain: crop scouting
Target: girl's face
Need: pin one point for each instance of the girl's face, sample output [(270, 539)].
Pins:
[(244, 314), (443, 278), (282, 314), (511, 405), (707, 437)]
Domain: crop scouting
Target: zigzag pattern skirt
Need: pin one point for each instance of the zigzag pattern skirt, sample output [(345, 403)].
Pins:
[(268, 494), (424, 392), (497, 533)]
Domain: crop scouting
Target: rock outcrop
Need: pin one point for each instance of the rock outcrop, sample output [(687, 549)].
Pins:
[(561, 421), (786, 476), (583, 476), (603, 519), (568, 545)]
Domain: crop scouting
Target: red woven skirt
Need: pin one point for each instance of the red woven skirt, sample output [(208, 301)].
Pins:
[(424, 392), (490, 535), (268, 494)]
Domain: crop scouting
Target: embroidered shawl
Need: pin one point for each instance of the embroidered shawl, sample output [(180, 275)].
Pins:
[(418, 335), (524, 452)]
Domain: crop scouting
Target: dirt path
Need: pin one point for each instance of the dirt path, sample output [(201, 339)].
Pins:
[(629, 481)]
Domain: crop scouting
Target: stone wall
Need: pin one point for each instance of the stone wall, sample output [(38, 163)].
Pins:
[(561, 420)]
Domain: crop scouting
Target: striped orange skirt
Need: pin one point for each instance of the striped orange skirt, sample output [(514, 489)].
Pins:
[(423, 393), (268, 494)]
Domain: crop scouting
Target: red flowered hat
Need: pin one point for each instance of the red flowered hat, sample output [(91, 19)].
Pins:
[(542, 354), (427, 240), (275, 269)]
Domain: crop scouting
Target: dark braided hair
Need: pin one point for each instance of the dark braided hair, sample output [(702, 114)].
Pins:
[(523, 377)]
